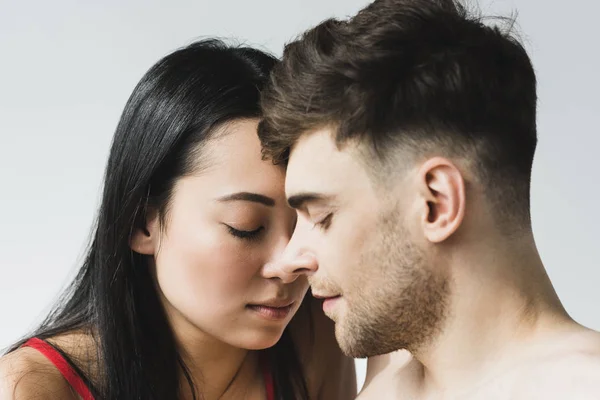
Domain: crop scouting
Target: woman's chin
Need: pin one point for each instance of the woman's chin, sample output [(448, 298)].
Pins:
[(260, 340)]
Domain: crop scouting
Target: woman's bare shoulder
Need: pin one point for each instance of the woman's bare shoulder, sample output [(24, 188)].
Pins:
[(329, 373), (26, 374)]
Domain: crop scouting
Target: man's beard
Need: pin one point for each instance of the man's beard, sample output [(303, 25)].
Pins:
[(397, 301)]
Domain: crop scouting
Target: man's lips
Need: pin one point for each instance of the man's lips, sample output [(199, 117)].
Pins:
[(325, 296), (329, 301)]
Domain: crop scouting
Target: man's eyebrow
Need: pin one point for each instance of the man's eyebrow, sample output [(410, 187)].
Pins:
[(299, 200), (247, 196)]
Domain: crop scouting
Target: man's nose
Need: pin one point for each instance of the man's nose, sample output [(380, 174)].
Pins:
[(294, 259)]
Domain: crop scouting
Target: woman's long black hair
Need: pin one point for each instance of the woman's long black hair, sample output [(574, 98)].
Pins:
[(172, 111)]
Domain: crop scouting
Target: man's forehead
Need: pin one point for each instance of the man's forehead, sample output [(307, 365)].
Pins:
[(316, 165)]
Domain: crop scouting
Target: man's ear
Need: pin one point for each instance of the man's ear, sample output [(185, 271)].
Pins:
[(144, 239), (442, 189)]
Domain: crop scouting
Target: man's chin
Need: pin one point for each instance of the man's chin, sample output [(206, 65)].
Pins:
[(361, 343), (348, 343)]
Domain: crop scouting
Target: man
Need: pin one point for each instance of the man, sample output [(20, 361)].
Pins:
[(409, 133)]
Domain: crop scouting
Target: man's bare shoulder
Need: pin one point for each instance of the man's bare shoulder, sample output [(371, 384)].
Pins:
[(577, 376), (573, 370), (26, 374)]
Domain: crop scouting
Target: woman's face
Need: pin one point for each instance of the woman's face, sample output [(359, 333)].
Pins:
[(225, 228)]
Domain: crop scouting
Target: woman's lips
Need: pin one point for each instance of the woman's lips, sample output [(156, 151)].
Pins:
[(272, 312)]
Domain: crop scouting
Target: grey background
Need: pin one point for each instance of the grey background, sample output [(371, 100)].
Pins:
[(67, 68)]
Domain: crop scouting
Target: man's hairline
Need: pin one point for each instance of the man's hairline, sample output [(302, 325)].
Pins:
[(359, 150), (380, 172)]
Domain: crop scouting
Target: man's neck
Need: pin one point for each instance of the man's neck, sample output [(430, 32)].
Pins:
[(501, 300)]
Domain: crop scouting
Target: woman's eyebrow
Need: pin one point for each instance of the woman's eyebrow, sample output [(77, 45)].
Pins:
[(247, 196)]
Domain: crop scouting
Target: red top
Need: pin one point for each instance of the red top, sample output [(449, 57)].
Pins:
[(62, 365), (267, 377), (82, 390)]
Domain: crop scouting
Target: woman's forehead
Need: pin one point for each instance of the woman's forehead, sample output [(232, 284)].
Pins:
[(234, 163)]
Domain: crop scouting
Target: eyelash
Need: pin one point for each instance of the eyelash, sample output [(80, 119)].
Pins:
[(245, 235), (325, 223)]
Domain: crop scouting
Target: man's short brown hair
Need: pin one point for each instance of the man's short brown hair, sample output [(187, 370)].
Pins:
[(418, 74)]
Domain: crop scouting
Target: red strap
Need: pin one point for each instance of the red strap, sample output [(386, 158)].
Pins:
[(267, 377), (62, 365), (77, 383)]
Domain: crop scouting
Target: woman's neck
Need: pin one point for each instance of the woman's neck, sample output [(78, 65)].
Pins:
[(218, 370)]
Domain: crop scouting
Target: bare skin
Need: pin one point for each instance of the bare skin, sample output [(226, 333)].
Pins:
[(423, 259), (206, 278), (571, 368), (27, 374), (515, 342)]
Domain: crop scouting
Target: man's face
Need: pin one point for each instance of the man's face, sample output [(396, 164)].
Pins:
[(372, 267)]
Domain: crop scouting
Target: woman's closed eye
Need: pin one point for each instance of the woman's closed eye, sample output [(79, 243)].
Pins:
[(245, 234)]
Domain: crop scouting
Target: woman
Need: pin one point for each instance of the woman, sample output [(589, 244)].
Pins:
[(181, 295)]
